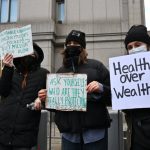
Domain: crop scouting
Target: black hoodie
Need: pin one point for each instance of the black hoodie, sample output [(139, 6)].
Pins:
[(19, 125)]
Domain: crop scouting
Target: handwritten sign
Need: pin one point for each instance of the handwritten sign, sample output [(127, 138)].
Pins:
[(17, 41), (130, 81), (66, 92)]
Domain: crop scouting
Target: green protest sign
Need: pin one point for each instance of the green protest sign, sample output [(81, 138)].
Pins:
[(17, 41), (66, 92)]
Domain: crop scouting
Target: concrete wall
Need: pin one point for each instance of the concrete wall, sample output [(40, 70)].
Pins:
[(104, 22), (35, 10)]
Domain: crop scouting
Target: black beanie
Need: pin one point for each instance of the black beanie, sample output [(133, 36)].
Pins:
[(77, 36), (137, 33)]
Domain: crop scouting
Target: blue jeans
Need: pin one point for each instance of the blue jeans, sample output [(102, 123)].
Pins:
[(98, 145)]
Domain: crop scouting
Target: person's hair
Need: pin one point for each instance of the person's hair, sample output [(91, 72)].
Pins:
[(82, 57)]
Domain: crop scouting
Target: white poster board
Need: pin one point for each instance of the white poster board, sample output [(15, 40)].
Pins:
[(130, 81), (66, 92), (17, 41)]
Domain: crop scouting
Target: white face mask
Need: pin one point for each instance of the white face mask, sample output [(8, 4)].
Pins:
[(139, 49)]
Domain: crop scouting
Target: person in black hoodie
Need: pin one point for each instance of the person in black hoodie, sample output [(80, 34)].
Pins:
[(84, 130), (137, 40), (20, 82)]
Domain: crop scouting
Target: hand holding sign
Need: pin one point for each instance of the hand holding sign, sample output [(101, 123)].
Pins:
[(8, 60), (42, 94), (93, 86)]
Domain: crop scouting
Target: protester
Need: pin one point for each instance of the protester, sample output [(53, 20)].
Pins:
[(137, 40), (84, 130), (20, 82)]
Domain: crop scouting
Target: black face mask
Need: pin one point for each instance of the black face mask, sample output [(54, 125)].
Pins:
[(28, 61), (72, 51)]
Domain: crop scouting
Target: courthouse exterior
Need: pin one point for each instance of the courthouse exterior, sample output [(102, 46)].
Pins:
[(105, 23)]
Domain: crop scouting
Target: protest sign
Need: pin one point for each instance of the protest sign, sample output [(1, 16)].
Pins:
[(17, 41), (66, 92), (130, 81)]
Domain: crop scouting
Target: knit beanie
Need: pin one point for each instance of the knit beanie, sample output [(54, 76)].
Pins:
[(77, 36), (137, 33)]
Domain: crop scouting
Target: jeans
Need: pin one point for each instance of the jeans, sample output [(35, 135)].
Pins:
[(98, 145), (3, 147)]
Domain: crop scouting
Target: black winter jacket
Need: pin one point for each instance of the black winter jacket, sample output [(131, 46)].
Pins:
[(96, 116), (140, 123), (19, 125)]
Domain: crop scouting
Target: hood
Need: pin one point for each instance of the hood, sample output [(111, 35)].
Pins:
[(39, 54)]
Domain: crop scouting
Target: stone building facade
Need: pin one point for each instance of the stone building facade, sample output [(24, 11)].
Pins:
[(105, 23)]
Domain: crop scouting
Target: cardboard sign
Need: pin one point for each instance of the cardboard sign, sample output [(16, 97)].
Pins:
[(66, 92), (17, 41), (130, 81)]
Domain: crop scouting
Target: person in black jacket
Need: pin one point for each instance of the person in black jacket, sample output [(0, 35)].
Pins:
[(20, 82), (137, 40), (84, 130)]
